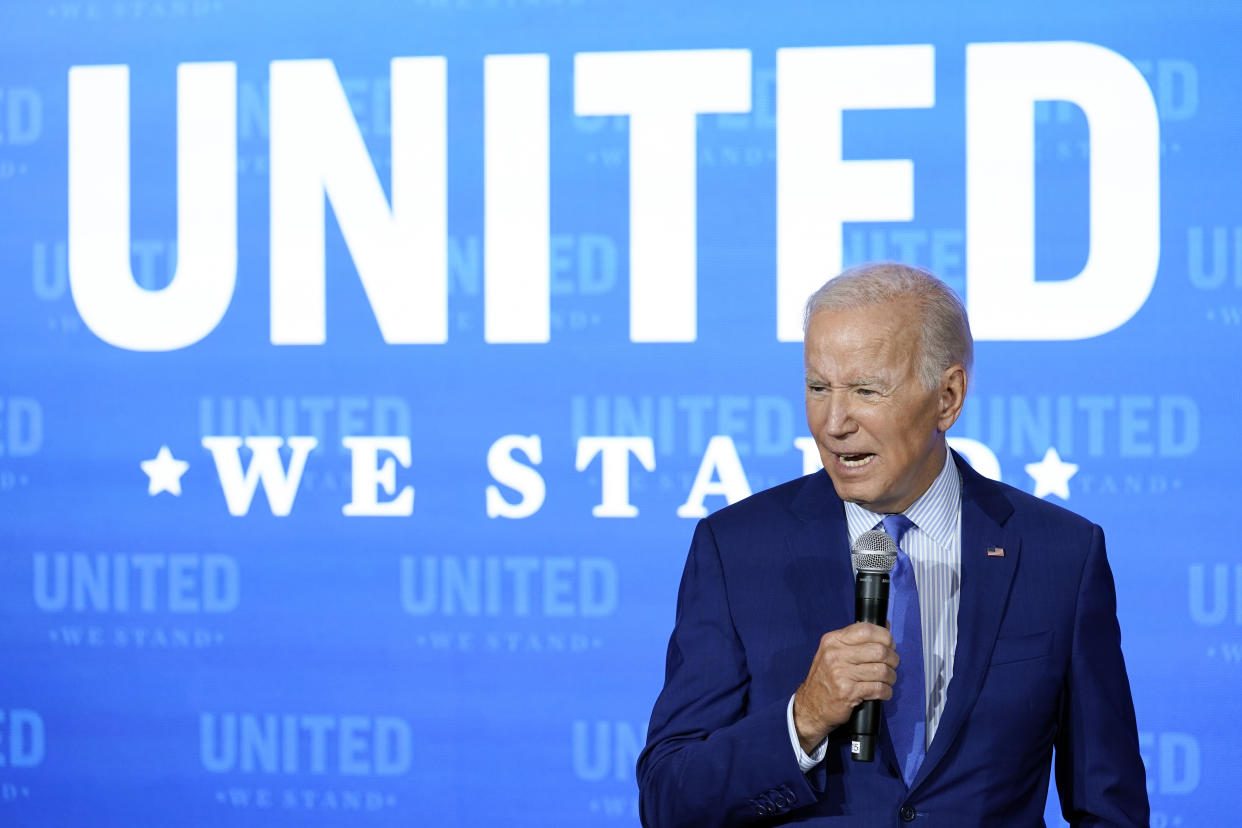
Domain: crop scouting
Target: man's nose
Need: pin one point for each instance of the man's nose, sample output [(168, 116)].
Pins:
[(840, 419)]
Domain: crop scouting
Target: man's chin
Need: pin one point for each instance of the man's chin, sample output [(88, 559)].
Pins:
[(852, 492)]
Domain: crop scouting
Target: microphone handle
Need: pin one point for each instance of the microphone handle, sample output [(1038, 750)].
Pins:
[(871, 606)]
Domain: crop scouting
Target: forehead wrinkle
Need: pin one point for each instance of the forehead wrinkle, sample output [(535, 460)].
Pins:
[(879, 342), (861, 381), (877, 360)]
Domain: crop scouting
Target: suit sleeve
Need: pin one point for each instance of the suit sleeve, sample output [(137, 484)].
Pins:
[(711, 759), (1099, 773)]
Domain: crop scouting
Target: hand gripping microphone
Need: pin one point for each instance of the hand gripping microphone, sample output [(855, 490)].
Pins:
[(874, 554)]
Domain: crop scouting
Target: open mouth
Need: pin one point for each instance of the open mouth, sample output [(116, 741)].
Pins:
[(855, 460)]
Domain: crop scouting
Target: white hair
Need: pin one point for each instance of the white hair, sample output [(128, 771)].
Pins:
[(944, 338)]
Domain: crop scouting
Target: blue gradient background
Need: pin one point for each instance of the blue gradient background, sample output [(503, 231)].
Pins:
[(541, 736)]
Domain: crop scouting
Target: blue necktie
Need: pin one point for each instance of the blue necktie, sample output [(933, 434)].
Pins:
[(907, 710)]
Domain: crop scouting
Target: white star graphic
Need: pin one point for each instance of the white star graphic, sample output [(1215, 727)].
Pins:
[(164, 472), (1052, 475)]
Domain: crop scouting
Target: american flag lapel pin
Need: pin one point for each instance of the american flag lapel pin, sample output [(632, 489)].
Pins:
[(996, 552)]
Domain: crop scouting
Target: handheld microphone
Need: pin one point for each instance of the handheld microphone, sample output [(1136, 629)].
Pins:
[(874, 555)]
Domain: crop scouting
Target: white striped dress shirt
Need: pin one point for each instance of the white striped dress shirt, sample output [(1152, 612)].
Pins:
[(934, 544)]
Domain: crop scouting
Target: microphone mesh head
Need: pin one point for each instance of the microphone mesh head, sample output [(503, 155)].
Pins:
[(874, 551)]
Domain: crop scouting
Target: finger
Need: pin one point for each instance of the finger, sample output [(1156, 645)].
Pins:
[(872, 653), (863, 633), (870, 673), (874, 690)]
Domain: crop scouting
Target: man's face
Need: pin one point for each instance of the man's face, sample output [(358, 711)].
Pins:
[(880, 433)]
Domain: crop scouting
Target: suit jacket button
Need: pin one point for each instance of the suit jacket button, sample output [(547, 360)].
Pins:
[(906, 814)]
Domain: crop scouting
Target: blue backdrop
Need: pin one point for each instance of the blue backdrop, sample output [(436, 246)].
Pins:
[(352, 427)]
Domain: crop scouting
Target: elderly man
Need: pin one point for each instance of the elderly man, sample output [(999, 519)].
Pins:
[(1007, 642)]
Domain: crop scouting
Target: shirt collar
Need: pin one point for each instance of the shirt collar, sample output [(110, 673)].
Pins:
[(934, 513)]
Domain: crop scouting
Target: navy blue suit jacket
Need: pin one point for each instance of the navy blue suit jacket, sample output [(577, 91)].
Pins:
[(1038, 666)]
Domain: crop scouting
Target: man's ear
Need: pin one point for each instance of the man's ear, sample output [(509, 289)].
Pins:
[(952, 396)]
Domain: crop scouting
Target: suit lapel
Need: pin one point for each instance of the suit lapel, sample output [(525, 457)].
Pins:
[(819, 549), (984, 594)]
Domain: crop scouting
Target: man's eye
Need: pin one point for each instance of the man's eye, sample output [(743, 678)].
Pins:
[(867, 392), (817, 389)]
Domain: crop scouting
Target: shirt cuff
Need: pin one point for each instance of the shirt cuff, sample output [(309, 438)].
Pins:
[(806, 763)]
